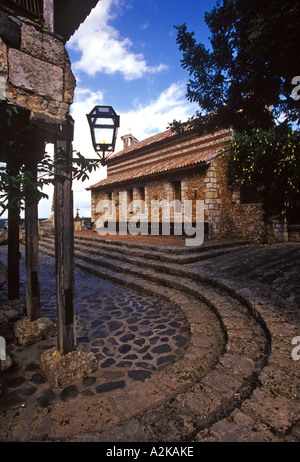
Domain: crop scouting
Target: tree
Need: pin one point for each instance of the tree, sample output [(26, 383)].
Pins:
[(269, 160), (245, 79)]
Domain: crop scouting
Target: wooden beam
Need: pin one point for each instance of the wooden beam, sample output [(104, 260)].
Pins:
[(32, 249), (64, 252), (13, 253)]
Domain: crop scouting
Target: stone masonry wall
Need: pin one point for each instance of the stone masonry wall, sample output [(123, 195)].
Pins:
[(235, 220), (35, 72), (227, 218)]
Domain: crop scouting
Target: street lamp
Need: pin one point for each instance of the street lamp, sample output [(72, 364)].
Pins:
[(104, 123)]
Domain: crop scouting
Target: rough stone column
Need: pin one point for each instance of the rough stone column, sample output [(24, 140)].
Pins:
[(48, 6), (211, 201)]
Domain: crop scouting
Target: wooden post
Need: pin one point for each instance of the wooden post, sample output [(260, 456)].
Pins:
[(32, 249), (13, 253), (64, 252)]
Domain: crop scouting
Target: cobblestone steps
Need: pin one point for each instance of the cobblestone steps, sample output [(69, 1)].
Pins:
[(119, 250), (225, 400), (236, 374), (158, 249)]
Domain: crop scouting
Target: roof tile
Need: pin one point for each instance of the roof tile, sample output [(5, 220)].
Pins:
[(182, 153)]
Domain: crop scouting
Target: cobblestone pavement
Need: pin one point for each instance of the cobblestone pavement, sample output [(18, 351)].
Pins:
[(133, 333), (122, 328), (213, 363)]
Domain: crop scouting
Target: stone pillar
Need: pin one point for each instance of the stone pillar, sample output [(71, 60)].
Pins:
[(64, 252), (48, 7), (77, 222), (211, 201)]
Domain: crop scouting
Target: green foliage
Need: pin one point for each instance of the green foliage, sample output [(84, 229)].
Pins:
[(14, 188), (17, 135), (244, 79), (270, 161)]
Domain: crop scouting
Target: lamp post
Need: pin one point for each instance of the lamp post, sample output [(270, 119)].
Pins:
[(104, 124)]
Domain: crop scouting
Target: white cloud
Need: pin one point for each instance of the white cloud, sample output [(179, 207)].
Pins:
[(104, 50), (153, 117), (144, 120), (84, 101)]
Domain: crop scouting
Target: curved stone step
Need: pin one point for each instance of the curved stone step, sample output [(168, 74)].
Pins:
[(159, 249), (241, 397), (120, 250), (235, 374), (160, 275)]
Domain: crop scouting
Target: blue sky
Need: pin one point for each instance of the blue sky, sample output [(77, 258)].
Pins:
[(125, 55)]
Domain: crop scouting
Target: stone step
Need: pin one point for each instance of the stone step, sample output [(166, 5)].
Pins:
[(244, 355), (136, 266), (139, 269), (155, 255), (165, 249), (163, 275), (240, 385), (230, 375), (172, 255)]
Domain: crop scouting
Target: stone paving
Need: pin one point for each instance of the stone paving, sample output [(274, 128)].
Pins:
[(119, 326), (233, 378), (133, 333)]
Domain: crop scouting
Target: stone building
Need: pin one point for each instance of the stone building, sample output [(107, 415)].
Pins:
[(182, 167), (36, 78)]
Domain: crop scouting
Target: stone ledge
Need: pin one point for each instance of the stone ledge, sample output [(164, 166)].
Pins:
[(62, 370)]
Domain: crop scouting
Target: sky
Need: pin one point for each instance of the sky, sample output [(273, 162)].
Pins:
[(125, 55)]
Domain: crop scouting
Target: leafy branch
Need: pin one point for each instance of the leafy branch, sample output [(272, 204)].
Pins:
[(17, 135), (15, 188), (269, 160)]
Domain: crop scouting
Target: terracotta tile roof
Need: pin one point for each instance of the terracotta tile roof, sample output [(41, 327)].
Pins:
[(165, 152), (147, 142)]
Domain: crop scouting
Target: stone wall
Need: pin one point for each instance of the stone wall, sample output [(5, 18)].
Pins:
[(226, 216), (35, 70), (243, 221)]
